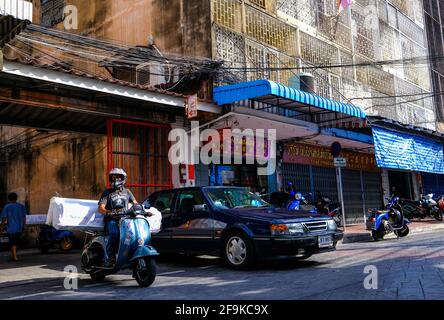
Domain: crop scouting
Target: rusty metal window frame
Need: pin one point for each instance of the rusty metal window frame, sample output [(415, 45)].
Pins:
[(52, 12)]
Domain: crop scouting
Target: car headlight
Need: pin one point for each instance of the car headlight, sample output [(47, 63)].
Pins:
[(287, 229), (332, 225), (296, 228)]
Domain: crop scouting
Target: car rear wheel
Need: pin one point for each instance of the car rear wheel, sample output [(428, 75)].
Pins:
[(238, 251)]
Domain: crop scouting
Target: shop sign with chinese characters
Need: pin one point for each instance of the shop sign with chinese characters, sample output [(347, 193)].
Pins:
[(247, 148), (320, 156)]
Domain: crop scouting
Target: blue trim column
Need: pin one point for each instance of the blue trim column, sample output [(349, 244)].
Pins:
[(272, 183)]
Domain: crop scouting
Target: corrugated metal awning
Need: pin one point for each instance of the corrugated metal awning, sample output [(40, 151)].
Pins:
[(275, 94)]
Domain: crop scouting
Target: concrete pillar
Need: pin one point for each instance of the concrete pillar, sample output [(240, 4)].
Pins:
[(416, 180), (385, 185)]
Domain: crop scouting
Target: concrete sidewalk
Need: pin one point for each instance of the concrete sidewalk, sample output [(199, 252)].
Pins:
[(358, 233)]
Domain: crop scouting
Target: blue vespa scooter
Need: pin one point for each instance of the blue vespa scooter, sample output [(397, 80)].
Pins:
[(383, 222), (297, 201), (134, 250)]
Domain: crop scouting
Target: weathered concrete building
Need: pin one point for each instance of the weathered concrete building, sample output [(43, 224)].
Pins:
[(66, 120), (272, 39), (276, 39), (434, 22)]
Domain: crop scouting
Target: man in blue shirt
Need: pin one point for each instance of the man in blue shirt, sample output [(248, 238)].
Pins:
[(14, 217)]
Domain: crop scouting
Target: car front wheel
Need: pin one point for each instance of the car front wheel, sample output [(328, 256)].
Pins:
[(238, 251)]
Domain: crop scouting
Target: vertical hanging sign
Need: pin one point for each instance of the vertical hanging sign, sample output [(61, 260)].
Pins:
[(191, 106)]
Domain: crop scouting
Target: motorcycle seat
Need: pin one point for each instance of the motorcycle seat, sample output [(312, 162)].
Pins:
[(414, 202)]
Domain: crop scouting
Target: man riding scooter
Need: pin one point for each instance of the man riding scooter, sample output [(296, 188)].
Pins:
[(113, 201)]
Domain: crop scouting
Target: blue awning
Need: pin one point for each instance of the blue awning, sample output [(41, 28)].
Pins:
[(275, 94), (396, 150)]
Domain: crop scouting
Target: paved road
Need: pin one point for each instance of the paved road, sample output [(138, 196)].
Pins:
[(410, 268)]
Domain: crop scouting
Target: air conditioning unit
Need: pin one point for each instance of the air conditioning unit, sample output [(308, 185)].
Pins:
[(152, 73)]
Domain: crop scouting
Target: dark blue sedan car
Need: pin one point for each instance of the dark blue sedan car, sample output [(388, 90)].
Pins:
[(238, 225)]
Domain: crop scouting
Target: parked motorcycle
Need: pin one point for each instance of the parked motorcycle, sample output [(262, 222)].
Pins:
[(49, 237), (297, 201), (383, 222), (134, 250), (440, 202), (426, 206), (324, 205)]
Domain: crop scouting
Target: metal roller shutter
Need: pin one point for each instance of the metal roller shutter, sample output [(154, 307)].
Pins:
[(351, 181), (324, 180), (298, 174), (372, 190)]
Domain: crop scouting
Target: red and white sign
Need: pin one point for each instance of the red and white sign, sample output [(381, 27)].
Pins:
[(192, 106)]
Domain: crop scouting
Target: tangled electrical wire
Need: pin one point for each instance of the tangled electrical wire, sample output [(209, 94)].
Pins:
[(100, 57)]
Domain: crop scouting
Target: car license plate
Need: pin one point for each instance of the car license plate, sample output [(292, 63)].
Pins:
[(4, 239), (325, 241)]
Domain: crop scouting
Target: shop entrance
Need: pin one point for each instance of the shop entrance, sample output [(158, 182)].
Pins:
[(141, 149), (244, 175), (400, 184)]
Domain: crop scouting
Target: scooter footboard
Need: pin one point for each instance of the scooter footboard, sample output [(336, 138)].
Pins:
[(144, 251)]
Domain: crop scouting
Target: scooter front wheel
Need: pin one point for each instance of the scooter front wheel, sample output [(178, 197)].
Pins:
[(403, 232), (97, 275), (145, 271)]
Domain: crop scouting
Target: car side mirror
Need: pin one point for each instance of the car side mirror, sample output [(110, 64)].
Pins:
[(200, 207)]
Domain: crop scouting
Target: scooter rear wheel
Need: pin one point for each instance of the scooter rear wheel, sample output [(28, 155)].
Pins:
[(376, 235), (146, 276)]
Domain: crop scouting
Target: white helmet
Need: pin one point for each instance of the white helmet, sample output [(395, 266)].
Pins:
[(117, 178)]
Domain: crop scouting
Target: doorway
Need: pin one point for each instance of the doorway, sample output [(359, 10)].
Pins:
[(141, 149), (401, 184)]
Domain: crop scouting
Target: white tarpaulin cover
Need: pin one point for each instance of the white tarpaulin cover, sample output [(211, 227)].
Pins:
[(80, 214)]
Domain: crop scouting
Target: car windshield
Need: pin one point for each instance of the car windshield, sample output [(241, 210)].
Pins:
[(230, 198)]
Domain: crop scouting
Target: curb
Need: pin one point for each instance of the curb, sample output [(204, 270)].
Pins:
[(357, 237), (366, 237)]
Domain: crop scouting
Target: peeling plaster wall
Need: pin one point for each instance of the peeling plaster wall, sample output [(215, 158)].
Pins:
[(73, 166), (178, 26)]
